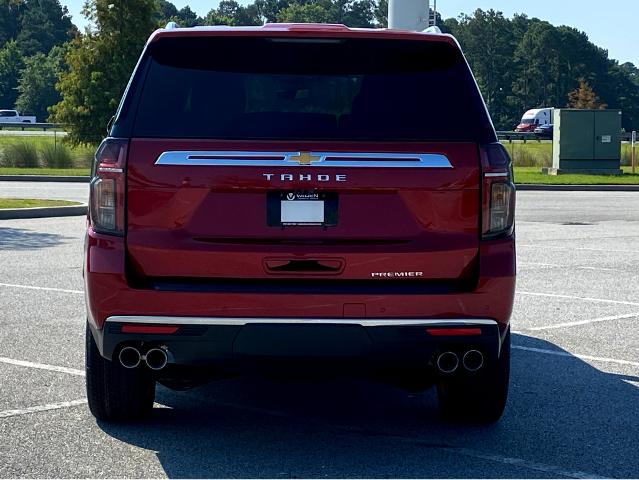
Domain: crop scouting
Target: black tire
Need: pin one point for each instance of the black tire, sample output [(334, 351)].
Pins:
[(116, 393), (480, 398)]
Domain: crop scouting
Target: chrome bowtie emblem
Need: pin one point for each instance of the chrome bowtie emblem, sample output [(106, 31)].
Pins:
[(305, 158)]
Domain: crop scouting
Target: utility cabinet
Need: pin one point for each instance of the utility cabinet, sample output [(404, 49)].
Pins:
[(586, 141)]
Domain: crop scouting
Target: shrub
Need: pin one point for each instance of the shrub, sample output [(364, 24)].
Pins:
[(20, 154), (56, 156), (83, 156), (522, 157), (626, 155)]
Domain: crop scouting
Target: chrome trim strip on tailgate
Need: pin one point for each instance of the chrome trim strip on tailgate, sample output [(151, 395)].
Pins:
[(230, 321), (318, 159)]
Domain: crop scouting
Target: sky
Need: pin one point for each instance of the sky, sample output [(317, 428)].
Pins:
[(613, 24)]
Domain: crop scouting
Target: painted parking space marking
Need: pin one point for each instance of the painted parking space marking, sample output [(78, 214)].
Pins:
[(581, 322), (41, 408), (574, 355), (575, 297), (49, 289), (519, 462), (552, 247), (42, 366)]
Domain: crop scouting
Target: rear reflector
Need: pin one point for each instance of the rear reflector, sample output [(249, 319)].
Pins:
[(453, 332), (157, 329)]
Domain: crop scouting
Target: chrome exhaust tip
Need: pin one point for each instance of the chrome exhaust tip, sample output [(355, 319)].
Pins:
[(447, 362), (129, 357), (156, 359), (473, 360)]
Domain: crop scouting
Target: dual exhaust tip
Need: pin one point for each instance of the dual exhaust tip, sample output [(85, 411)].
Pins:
[(155, 358), (448, 362)]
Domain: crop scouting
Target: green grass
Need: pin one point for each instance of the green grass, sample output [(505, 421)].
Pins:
[(81, 156), (33, 202), (533, 175), (71, 172)]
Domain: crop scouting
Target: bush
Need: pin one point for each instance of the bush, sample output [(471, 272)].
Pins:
[(83, 156), (56, 156), (21, 155), (522, 157), (626, 155)]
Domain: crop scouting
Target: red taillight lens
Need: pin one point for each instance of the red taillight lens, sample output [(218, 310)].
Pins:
[(498, 191), (108, 187)]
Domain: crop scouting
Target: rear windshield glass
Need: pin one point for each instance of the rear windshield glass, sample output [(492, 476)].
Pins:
[(305, 89)]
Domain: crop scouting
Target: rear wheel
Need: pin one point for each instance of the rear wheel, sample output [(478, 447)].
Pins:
[(116, 393), (480, 397)]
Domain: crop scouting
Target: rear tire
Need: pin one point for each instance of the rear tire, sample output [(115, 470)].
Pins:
[(116, 393), (480, 397)]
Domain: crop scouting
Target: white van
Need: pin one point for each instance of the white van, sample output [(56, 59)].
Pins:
[(535, 118)]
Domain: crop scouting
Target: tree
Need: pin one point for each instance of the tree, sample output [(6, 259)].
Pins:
[(269, 9), (354, 13), (230, 12), (36, 86), (44, 24), (381, 13), (10, 13), (584, 97), (11, 63), (489, 45), (308, 13), (100, 64)]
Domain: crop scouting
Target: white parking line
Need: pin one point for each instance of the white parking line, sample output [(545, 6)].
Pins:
[(574, 355), (41, 408), (50, 289), (574, 267), (552, 247), (519, 462), (582, 322), (574, 297), (42, 366)]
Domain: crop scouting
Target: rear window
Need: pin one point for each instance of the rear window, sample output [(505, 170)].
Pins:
[(308, 89)]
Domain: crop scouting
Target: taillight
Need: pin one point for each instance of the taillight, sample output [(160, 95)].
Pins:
[(107, 197), (498, 192)]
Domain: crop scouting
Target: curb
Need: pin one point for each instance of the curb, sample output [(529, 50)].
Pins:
[(578, 188), (44, 178), (43, 212)]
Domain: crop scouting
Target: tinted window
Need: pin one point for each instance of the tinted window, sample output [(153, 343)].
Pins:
[(354, 89), (8, 113)]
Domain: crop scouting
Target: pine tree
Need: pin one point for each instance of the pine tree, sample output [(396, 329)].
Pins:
[(584, 97)]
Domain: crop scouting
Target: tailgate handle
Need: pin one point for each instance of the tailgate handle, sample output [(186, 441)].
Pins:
[(316, 266)]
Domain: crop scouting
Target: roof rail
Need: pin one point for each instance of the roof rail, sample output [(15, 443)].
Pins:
[(171, 26)]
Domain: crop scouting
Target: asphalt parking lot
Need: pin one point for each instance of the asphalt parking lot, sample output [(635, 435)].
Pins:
[(572, 410)]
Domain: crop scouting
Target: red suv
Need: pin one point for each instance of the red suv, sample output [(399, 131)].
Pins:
[(300, 197)]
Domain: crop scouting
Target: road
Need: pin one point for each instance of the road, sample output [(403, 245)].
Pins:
[(78, 192), (571, 411)]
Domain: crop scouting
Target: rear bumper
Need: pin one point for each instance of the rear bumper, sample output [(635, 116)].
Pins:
[(216, 326), (232, 343)]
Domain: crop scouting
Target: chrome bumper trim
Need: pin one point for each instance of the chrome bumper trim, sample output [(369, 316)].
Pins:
[(224, 321)]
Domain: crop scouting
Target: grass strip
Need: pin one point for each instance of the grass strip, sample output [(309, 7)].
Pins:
[(12, 203)]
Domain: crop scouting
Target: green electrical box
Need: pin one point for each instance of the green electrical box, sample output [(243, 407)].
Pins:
[(586, 141)]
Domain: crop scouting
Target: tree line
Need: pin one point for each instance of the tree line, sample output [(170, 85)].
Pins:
[(50, 69)]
